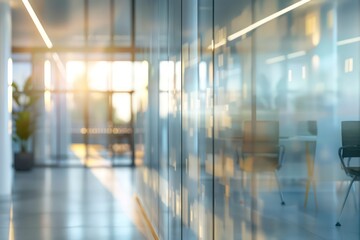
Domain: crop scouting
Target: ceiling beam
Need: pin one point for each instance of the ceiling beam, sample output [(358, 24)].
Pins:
[(77, 50)]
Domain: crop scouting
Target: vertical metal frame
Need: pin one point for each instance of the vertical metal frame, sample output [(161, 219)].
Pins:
[(133, 58), (86, 95)]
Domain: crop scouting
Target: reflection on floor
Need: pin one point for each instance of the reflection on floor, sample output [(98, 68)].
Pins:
[(249, 207), (72, 203), (95, 159), (98, 203), (260, 215), (98, 156)]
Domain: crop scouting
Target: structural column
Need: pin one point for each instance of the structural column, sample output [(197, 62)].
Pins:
[(5, 99), (41, 144)]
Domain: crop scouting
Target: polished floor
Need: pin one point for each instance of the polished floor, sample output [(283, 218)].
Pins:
[(74, 204), (100, 204)]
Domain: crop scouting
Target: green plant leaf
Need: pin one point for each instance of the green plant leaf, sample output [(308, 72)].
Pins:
[(23, 125), (16, 93), (23, 115), (28, 86), (15, 87), (32, 99)]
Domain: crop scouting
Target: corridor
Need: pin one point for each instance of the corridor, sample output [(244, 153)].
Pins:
[(72, 203)]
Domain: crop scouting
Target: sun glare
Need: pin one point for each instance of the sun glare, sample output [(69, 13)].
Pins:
[(75, 71), (109, 76), (121, 107), (99, 74)]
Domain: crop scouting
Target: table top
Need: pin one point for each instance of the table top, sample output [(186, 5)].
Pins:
[(305, 138)]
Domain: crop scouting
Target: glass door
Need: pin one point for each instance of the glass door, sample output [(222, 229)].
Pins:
[(100, 116)]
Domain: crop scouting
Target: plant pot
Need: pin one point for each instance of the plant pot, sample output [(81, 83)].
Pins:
[(23, 161)]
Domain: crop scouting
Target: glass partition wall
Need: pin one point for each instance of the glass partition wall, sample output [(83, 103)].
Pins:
[(239, 127), (84, 114), (232, 110), (85, 81)]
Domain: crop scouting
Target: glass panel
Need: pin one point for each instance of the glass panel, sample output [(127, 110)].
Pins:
[(99, 130), (238, 108), (122, 131), (23, 31), (75, 109), (232, 105), (67, 123), (54, 120), (98, 118), (99, 27), (99, 75), (122, 76), (122, 23), (63, 21), (121, 109), (206, 193), (140, 110), (148, 117), (144, 15), (75, 75), (174, 118), (197, 188), (284, 71), (253, 126), (21, 72), (165, 74)]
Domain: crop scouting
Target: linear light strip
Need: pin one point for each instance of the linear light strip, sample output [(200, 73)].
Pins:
[(217, 45), (296, 54), (267, 19), (348, 41), (284, 57), (37, 24), (275, 59)]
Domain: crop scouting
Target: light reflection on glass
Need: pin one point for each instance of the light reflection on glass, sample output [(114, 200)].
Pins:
[(75, 71), (10, 81), (290, 62), (315, 61), (121, 105), (47, 99), (141, 75), (11, 224), (99, 75), (164, 106), (122, 72), (166, 69), (267, 19), (47, 74), (348, 41)]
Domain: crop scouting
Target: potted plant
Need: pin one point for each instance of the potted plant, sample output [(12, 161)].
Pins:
[(24, 124)]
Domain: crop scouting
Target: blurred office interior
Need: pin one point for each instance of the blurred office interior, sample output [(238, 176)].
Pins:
[(182, 119)]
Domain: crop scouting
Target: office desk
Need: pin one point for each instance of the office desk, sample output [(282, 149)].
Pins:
[(310, 161), (308, 140)]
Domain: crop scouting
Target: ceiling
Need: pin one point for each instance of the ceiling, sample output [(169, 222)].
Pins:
[(64, 23)]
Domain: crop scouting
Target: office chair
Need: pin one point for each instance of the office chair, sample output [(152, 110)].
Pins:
[(350, 134), (261, 151)]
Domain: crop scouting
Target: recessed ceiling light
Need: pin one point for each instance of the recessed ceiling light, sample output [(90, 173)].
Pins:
[(37, 23)]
